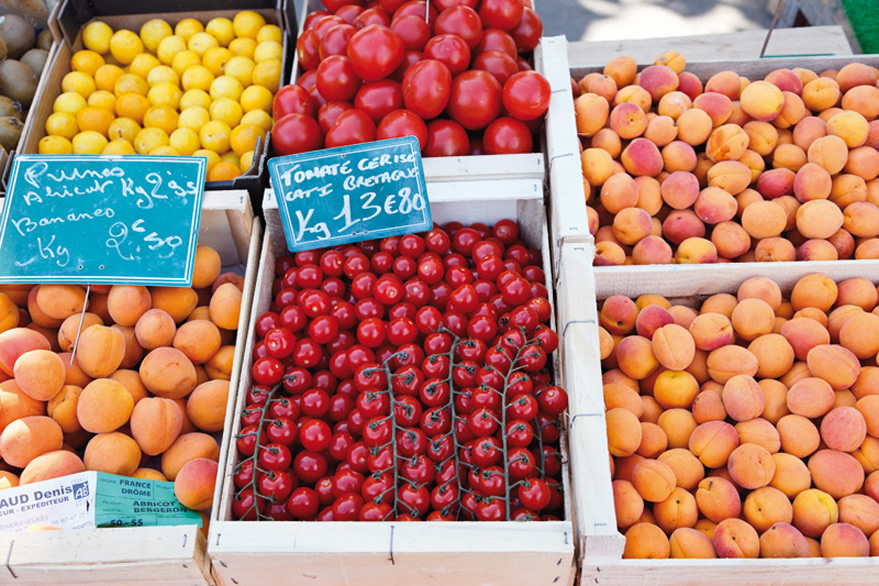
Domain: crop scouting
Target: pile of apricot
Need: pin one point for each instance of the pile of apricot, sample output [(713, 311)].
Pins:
[(141, 396), (778, 169), (748, 426)]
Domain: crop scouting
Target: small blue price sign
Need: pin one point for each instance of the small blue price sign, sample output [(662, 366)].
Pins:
[(352, 193), (101, 220)]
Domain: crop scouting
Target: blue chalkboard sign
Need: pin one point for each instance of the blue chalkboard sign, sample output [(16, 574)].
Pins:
[(101, 220), (352, 193)]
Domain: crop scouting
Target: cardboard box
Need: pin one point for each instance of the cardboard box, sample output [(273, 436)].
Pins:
[(248, 552)]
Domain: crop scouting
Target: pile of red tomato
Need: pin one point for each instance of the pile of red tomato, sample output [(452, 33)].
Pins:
[(449, 72), (405, 379)]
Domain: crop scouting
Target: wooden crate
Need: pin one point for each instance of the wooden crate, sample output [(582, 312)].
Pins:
[(390, 553), (601, 544), (625, 280), (131, 555), (69, 43)]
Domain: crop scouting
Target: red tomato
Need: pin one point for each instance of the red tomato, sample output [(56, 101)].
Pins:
[(324, 24), (443, 4), (308, 50), (335, 5), (416, 7), (449, 49), (402, 123), (349, 12), (379, 98), (335, 41), (494, 39), (507, 136), (335, 79), (502, 14), (329, 113), (375, 52), (409, 59), (413, 31), (475, 99), (370, 16), (313, 18), (427, 87), (527, 34), (462, 21), (497, 63), (526, 95), (296, 133), (351, 127), (534, 494), (303, 503), (446, 138), (292, 99)]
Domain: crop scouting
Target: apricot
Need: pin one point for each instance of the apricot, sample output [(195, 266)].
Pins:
[(726, 142), (783, 540), (774, 354), (694, 127), (100, 350), (592, 112), (844, 540), (17, 341), (867, 249), (675, 389), (71, 326), (712, 442), (628, 120), (40, 374), (623, 432), (715, 205), (708, 406), (837, 473), (861, 219), (103, 406), (609, 254), (206, 405), (619, 192), (621, 69), (155, 328), (855, 74), (803, 334), (759, 431), (711, 331), (821, 93), (718, 106), (186, 447), (810, 397), (751, 466), (641, 157), (178, 302), (752, 318), (791, 474), (677, 511), (195, 482), (680, 225), (734, 538), (628, 504), (650, 318), (60, 301), (850, 126), (695, 251), (767, 506), (658, 80), (814, 290), (646, 541), (683, 316), (863, 162), (868, 407), (730, 239), (764, 219), (835, 364), (167, 372), (686, 542), (653, 440), (631, 225), (830, 152), (113, 452), (688, 470), (792, 111), (206, 268), (62, 408), (24, 439), (155, 424), (597, 165), (847, 189), (51, 465), (678, 425), (730, 360), (742, 398), (8, 480), (661, 130), (727, 83), (814, 511), (860, 510), (807, 130)]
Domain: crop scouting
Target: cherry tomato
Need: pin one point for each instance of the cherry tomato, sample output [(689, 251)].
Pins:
[(377, 431), (280, 342), (414, 499), (303, 504), (552, 400), (282, 430), (345, 481), (379, 98), (427, 87), (449, 49), (309, 467), (276, 484), (491, 509), (375, 52), (274, 457), (375, 512), (349, 12), (462, 21), (534, 494), (296, 133), (267, 371), (315, 435), (347, 507), (487, 451), (521, 464), (351, 127), (327, 116), (314, 402), (246, 506)]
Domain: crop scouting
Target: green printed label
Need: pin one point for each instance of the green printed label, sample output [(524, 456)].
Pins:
[(131, 502)]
